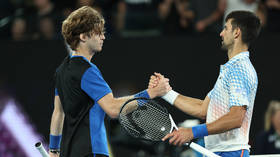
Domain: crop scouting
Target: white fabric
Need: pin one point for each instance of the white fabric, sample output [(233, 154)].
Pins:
[(236, 86), (170, 96)]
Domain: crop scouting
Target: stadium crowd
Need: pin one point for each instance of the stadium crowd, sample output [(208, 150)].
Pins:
[(41, 19)]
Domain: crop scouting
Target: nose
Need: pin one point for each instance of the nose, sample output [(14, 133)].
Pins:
[(103, 37)]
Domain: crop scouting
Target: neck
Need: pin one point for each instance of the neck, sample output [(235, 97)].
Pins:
[(236, 49), (83, 52)]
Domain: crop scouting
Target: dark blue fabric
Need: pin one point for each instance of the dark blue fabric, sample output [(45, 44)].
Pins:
[(237, 153), (55, 141), (97, 130), (55, 92), (142, 94), (200, 131), (95, 86)]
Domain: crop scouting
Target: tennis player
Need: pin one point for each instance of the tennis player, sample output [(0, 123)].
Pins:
[(82, 95), (228, 107)]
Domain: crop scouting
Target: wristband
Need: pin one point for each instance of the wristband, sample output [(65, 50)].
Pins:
[(55, 141), (170, 96), (200, 131), (144, 94), (55, 151)]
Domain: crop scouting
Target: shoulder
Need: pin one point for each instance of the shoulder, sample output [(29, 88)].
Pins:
[(243, 68), (79, 62), (80, 65), (74, 67)]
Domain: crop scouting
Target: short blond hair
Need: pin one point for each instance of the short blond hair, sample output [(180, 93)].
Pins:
[(83, 20)]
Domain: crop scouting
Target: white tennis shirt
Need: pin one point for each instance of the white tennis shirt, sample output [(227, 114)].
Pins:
[(236, 86)]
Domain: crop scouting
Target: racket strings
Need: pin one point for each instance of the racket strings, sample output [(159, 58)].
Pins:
[(156, 107), (148, 120)]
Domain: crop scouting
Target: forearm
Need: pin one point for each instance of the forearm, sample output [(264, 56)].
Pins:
[(57, 122), (112, 106), (191, 106), (56, 129), (119, 102), (222, 125), (229, 121)]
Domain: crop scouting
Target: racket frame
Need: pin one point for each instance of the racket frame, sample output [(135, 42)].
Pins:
[(192, 145)]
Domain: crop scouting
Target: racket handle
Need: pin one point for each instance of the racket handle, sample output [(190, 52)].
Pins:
[(201, 150), (193, 145), (41, 149)]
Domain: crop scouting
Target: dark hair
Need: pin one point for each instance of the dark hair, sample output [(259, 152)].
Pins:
[(83, 20), (248, 23)]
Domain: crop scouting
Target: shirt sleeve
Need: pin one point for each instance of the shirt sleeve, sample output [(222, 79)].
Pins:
[(55, 92), (210, 94), (94, 85), (238, 88)]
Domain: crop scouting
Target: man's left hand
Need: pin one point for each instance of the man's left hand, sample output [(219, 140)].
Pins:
[(180, 136)]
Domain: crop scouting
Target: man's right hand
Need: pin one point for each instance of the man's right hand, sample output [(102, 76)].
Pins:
[(158, 85)]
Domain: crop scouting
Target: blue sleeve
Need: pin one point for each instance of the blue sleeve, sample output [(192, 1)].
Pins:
[(94, 85), (238, 88), (55, 92)]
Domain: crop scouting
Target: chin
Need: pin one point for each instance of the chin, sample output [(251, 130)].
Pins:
[(98, 50), (223, 47)]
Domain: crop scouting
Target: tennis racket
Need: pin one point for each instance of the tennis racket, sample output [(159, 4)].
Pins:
[(41, 149), (145, 119)]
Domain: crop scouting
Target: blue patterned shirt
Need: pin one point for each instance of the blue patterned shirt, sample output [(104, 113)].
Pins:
[(235, 86)]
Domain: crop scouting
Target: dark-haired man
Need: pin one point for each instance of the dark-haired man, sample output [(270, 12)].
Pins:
[(228, 107)]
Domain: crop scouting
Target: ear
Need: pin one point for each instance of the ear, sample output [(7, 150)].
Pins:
[(83, 37), (237, 33)]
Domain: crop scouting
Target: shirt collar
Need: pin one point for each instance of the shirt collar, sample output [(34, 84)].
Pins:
[(233, 60)]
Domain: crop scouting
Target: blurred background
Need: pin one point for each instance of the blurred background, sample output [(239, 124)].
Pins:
[(178, 38)]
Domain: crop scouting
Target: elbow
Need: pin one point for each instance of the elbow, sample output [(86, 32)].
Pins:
[(237, 125), (114, 111), (110, 105), (202, 115), (238, 122), (237, 115)]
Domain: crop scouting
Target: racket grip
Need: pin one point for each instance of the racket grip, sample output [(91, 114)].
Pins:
[(41, 149), (201, 150)]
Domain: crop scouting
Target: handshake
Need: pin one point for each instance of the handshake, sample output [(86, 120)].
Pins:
[(159, 87)]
